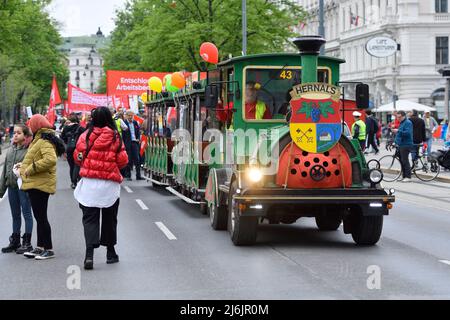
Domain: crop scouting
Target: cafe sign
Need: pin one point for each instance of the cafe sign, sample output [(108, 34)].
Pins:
[(381, 47)]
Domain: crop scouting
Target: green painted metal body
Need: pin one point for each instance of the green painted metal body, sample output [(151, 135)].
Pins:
[(187, 174)]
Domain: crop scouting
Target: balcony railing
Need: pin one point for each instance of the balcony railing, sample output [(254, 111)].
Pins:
[(444, 17)]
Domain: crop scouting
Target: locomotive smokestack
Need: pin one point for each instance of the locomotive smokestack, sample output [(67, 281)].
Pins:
[(309, 47)]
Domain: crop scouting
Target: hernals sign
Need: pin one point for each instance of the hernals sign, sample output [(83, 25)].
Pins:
[(381, 47)]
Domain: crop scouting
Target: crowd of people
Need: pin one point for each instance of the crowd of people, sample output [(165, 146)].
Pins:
[(101, 151), (408, 131)]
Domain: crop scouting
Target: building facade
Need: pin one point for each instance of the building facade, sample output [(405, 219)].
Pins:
[(420, 27), (84, 60)]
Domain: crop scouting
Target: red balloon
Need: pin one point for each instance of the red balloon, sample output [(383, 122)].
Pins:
[(209, 52)]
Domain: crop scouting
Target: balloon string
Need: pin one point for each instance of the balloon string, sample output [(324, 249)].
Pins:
[(288, 165), (340, 164)]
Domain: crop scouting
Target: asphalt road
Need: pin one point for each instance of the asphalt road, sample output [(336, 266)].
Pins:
[(288, 262)]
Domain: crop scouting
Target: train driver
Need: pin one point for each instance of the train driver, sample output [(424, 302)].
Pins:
[(255, 109)]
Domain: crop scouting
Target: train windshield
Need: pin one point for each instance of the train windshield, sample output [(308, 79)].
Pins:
[(267, 91)]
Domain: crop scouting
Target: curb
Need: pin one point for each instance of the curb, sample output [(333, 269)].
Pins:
[(438, 178)]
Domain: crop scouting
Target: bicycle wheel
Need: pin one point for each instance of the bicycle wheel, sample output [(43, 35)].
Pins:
[(427, 170), (391, 168)]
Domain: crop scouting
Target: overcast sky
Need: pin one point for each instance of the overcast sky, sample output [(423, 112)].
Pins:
[(83, 17)]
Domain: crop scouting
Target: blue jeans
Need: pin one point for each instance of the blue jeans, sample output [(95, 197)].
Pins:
[(429, 145), (20, 204)]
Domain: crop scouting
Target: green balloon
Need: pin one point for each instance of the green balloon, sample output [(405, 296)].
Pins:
[(169, 86)]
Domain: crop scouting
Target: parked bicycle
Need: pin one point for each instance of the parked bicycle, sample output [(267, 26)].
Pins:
[(425, 168)]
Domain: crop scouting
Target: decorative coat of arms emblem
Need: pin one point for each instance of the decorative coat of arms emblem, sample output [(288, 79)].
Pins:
[(316, 124)]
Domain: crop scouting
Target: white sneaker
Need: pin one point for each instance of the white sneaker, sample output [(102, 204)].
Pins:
[(407, 180)]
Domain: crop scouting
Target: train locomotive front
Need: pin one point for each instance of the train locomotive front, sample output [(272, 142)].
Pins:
[(313, 167)]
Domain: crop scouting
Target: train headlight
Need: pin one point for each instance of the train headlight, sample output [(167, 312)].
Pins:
[(255, 175), (376, 176)]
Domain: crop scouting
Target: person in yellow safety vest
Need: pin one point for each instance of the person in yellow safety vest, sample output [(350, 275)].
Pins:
[(359, 130), (120, 124), (255, 109)]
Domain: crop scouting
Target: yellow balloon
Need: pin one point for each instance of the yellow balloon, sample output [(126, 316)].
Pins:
[(155, 84), (144, 97)]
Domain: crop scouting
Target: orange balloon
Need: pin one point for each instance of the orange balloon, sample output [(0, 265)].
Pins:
[(178, 80), (209, 52)]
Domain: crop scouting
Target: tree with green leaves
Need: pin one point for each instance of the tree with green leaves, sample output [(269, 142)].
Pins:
[(29, 54), (155, 35)]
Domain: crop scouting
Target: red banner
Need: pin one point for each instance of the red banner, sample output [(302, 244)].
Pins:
[(55, 99), (122, 83), (82, 101)]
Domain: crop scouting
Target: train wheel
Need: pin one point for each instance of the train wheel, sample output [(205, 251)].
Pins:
[(218, 216), (366, 231), (328, 222), (243, 230)]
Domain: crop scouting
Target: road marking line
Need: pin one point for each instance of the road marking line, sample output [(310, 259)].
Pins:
[(166, 231), (445, 261), (141, 204), (128, 189)]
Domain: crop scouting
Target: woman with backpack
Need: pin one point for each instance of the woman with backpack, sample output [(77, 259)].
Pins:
[(38, 173), (70, 133), (18, 199), (101, 154)]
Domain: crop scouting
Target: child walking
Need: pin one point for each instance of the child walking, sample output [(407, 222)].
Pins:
[(18, 199)]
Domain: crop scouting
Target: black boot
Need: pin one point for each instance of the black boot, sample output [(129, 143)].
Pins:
[(89, 260), (111, 255), (26, 244), (14, 243)]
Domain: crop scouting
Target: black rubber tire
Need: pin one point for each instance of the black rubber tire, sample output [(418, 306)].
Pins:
[(328, 222), (218, 217), (366, 231), (244, 231), (204, 209)]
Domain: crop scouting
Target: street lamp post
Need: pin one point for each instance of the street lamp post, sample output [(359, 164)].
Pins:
[(321, 24), (244, 27), (445, 72)]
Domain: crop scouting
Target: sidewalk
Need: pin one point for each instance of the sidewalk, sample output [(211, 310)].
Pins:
[(444, 176), (3, 155)]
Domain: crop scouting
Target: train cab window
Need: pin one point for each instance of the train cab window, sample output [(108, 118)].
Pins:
[(267, 91), (228, 89)]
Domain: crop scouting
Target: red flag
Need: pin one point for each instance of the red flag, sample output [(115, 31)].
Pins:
[(138, 120), (144, 144), (55, 99)]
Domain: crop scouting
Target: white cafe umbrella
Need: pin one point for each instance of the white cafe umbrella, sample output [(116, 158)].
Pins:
[(404, 105)]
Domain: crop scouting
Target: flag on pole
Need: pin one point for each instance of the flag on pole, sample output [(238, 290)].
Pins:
[(55, 99), (354, 19)]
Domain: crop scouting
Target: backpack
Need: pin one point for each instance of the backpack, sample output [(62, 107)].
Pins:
[(72, 139)]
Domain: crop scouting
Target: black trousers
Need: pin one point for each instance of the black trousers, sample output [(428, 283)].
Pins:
[(91, 224), (134, 159), (404, 159), (362, 143), (73, 170), (39, 204), (371, 141)]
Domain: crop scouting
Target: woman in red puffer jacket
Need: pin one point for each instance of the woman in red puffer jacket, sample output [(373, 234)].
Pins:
[(101, 154)]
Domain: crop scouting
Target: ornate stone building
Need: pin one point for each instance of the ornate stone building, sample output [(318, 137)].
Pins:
[(84, 60), (420, 27)]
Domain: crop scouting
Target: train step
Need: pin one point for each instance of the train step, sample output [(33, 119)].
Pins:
[(183, 197)]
